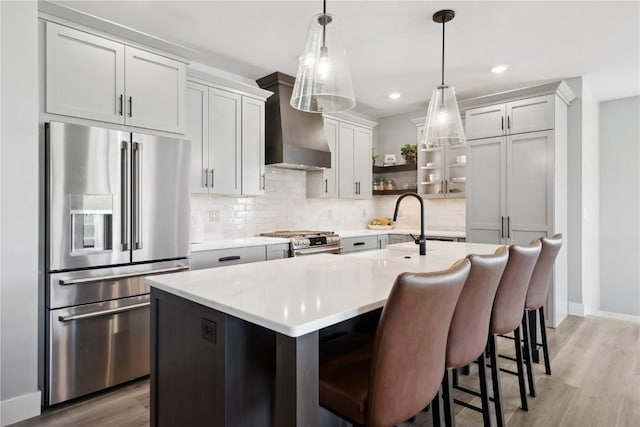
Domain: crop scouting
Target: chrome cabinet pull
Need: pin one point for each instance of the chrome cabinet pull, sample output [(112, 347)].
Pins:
[(264, 182), (66, 282), (508, 122), (103, 312), (124, 198), (206, 177), (131, 106), (229, 258), (501, 122), (326, 186), (502, 227), (121, 104), (212, 179), (508, 227)]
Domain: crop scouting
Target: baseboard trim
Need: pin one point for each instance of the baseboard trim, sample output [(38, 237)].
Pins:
[(19, 408), (618, 316), (576, 309)]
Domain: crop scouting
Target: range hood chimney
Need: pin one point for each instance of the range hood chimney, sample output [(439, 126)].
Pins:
[(294, 139)]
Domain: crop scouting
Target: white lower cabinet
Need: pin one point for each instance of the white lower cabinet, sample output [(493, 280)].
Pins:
[(94, 78), (359, 243), (227, 134), (278, 251), (223, 257), (383, 241)]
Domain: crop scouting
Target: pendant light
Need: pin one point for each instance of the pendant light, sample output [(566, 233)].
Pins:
[(443, 124), (323, 81)]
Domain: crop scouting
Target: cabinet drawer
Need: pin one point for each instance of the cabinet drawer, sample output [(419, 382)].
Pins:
[(222, 257), (281, 250), (399, 238), (356, 244)]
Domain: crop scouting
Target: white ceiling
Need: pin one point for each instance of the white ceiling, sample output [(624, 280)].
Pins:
[(395, 46)]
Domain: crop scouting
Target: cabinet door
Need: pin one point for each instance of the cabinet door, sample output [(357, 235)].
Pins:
[(362, 163), (485, 122), (198, 133), (155, 91), (346, 175), (530, 115), (486, 190), (330, 176), (253, 179), (529, 186), (224, 141), (84, 75)]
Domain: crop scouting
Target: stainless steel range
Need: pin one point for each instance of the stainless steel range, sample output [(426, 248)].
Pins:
[(305, 242)]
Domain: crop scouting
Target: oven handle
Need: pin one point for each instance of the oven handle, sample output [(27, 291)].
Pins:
[(334, 249), (103, 312), (122, 276)]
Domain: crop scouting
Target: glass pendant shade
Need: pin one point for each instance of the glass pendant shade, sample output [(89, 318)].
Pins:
[(323, 81), (443, 124)]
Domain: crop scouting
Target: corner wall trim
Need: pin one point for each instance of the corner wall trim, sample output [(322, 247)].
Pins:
[(20, 408), (576, 309), (618, 316)]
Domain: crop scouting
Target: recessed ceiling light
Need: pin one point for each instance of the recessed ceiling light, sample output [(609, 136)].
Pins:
[(499, 69), (394, 95)]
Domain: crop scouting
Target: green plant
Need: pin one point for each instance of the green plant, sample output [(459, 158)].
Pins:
[(409, 152), (374, 156)]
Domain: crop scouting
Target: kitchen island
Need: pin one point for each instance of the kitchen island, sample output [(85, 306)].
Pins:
[(239, 345)]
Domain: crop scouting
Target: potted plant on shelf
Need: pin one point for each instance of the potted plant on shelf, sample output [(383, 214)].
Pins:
[(374, 157), (409, 152)]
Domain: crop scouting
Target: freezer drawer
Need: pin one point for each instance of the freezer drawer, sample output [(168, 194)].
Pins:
[(102, 284), (96, 346)]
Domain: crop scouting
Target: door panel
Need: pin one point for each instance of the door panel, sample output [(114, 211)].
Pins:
[(85, 75), (86, 205), (198, 135), (155, 91), (252, 147), (346, 176), (224, 141), (330, 188), (486, 190), (161, 200), (485, 122), (530, 115), (362, 162)]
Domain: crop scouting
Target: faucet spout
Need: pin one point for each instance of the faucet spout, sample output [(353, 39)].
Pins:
[(422, 239)]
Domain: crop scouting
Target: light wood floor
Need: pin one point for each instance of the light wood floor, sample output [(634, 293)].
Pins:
[(595, 382)]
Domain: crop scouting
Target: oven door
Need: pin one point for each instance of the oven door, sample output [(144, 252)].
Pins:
[(95, 346), (318, 250)]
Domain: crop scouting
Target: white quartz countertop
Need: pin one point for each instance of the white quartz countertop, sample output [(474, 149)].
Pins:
[(209, 245), (295, 296), (429, 233)]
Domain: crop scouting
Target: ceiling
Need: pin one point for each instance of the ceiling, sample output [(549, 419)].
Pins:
[(395, 46)]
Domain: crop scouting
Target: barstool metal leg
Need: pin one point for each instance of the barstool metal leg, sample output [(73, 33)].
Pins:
[(527, 355), (520, 366), (545, 348), (436, 412), (495, 379), (484, 392), (447, 399)]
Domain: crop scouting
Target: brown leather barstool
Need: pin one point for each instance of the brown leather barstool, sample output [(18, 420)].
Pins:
[(539, 287), (507, 316), (397, 376), (469, 330)]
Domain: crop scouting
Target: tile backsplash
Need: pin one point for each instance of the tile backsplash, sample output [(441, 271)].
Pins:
[(285, 206)]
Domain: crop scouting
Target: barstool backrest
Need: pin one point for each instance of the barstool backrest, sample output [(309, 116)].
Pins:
[(409, 347), (542, 272), (512, 290), (470, 323)]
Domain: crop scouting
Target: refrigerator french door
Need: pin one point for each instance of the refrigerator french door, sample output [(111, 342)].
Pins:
[(117, 209)]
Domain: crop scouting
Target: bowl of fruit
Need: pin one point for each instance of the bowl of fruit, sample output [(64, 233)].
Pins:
[(381, 223)]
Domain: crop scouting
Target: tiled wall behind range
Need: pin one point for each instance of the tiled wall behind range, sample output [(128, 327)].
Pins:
[(285, 206)]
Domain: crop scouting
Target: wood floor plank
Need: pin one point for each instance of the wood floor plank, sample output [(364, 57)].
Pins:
[(595, 383)]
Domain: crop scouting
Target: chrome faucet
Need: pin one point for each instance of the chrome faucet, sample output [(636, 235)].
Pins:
[(422, 239)]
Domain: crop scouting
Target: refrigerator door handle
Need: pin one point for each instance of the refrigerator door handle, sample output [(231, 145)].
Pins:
[(178, 268), (103, 312), (125, 196), (136, 221)]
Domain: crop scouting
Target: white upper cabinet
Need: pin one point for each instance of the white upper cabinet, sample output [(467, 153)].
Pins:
[(362, 162), (99, 79), (253, 179), (155, 91), (354, 161), (85, 75), (225, 110), (526, 115), (324, 183), (227, 133)]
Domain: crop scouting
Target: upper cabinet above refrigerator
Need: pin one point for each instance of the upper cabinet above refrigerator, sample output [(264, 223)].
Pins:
[(96, 78)]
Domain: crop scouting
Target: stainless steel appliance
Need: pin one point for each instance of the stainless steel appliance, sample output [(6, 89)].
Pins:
[(309, 242), (117, 209)]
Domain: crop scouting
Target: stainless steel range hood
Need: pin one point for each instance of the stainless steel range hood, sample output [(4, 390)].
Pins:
[(294, 139)]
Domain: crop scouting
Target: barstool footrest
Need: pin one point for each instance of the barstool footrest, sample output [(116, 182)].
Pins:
[(468, 390), (467, 405)]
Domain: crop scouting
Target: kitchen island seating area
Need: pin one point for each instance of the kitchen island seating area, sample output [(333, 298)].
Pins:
[(252, 328)]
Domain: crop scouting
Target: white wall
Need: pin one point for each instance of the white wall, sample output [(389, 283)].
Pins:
[(590, 233), (620, 206), (393, 132), (19, 395)]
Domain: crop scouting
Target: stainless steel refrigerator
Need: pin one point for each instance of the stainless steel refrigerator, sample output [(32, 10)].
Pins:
[(117, 209)]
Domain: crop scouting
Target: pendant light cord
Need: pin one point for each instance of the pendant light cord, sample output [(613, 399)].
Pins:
[(443, 52), (324, 26)]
